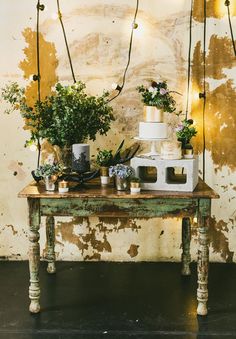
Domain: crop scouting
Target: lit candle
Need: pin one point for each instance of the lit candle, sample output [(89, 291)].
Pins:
[(63, 186)]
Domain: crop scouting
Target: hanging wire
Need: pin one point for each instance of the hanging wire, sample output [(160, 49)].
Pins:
[(38, 76), (134, 26), (204, 96), (65, 38), (227, 4), (189, 58)]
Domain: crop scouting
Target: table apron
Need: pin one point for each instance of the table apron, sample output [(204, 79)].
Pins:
[(133, 208)]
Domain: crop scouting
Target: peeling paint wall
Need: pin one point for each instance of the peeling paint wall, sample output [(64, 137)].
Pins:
[(98, 34)]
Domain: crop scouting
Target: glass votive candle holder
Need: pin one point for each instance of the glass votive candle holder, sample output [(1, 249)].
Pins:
[(63, 186)]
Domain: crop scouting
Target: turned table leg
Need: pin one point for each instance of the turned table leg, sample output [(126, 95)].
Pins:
[(50, 252), (34, 255), (202, 266), (186, 238)]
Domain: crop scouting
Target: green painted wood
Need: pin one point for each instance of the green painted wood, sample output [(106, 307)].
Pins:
[(205, 207), (117, 207)]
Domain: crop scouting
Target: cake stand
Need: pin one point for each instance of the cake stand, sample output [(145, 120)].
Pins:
[(153, 152)]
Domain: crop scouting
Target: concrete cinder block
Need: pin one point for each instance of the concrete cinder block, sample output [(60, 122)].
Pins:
[(167, 178)]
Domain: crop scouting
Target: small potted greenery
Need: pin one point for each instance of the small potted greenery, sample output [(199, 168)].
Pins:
[(49, 172), (121, 173), (184, 133), (157, 99), (135, 185), (104, 160)]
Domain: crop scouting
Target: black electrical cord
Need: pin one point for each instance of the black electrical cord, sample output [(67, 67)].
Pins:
[(189, 58), (65, 38), (38, 77), (129, 53), (204, 96), (227, 4)]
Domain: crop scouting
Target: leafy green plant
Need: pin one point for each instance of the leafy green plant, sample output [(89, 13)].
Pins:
[(104, 158), (185, 132), (47, 170), (68, 116), (158, 95)]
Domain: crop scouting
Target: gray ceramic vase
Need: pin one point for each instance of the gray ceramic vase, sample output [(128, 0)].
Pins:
[(80, 158)]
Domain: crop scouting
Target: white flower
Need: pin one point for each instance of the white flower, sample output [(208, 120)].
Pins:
[(151, 89)]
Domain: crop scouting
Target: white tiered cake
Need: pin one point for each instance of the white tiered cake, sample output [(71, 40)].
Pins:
[(153, 126)]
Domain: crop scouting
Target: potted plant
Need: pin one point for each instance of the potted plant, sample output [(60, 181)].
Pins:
[(104, 160), (135, 185), (157, 99), (49, 173), (121, 173), (184, 133), (68, 116)]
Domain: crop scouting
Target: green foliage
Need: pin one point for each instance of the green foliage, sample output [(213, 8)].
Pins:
[(104, 158), (71, 116), (158, 95), (68, 116), (47, 170), (184, 132)]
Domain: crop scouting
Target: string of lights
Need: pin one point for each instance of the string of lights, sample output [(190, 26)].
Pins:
[(40, 7), (134, 26), (204, 96), (65, 38), (189, 59), (227, 4)]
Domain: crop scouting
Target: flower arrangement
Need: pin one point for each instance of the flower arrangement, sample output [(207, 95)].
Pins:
[(185, 132), (158, 95), (104, 158), (48, 170), (121, 171)]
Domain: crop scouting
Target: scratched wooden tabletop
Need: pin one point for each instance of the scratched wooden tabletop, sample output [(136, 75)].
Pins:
[(93, 189)]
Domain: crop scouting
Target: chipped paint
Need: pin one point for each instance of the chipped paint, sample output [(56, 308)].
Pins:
[(133, 250)]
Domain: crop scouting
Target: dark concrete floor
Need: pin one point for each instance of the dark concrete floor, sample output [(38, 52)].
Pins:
[(112, 300)]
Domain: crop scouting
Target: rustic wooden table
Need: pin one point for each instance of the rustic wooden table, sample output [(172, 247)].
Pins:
[(94, 200)]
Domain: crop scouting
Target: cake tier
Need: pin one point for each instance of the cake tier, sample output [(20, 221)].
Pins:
[(152, 114), (152, 130)]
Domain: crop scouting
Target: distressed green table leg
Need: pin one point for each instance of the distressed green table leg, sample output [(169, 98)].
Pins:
[(50, 253), (34, 255), (203, 258), (186, 238)]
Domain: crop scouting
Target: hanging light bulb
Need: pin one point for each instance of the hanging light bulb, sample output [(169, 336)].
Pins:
[(54, 16), (116, 87), (33, 148)]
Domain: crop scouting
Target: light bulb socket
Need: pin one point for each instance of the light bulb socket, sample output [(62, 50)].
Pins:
[(134, 25), (40, 7), (116, 87), (202, 95), (36, 77), (227, 2)]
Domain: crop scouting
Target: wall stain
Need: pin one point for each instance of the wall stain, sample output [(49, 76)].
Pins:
[(48, 65), (133, 250), (220, 117), (14, 231), (17, 170), (214, 9)]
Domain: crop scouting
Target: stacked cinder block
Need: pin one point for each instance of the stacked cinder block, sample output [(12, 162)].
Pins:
[(167, 178)]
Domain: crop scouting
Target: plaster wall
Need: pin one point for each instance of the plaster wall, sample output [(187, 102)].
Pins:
[(98, 34)]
